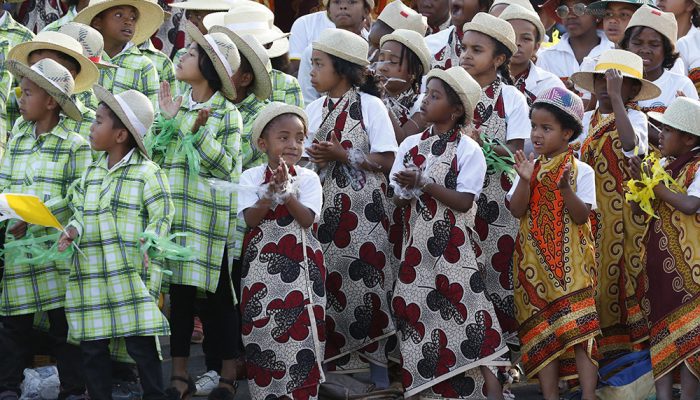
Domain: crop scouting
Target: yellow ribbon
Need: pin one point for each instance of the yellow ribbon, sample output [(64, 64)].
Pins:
[(602, 67), (642, 191)]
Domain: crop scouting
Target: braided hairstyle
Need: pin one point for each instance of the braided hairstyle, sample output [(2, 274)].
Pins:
[(504, 69), (357, 76), (415, 67)]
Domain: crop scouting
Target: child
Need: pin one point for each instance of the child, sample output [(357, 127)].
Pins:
[(554, 254), (199, 140), (279, 217), (672, 294), (442, 171), (499, 6), (123, 23), (686, 13), (395, 15), (689, 49), (353, 152), (500, 115), (611, 134), (437, 13), (106, 294), (43, 158), (616, 16)]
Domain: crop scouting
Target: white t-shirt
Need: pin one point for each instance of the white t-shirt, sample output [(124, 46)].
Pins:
[(517, 113), (374, 116), (437, 41), (560, 59), (305, 30), (639, 123), (539, 80), (689, 47), (585, 184), (670, 83), (307, 183), (471, 164)]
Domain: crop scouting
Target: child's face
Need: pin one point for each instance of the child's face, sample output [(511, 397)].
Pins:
[(347, 14), (117, 24), (648, 44), (187, 68), (630, 89), (615, 20), (103, 136), (436, 107), (677, 7), (578, 25), (35, 102), (283, 137), (436, 11), (323, 75), (477, 56), (547, 135), (526, 39), (673, 143), (392, 66), (376, 33), (463, 11)]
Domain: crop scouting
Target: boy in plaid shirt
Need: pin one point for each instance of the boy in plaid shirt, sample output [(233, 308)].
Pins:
[(43, 158), (14, 33)]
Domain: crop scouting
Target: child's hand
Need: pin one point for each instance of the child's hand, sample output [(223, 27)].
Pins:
[(168, 106), (614, 80), (635, 164), (67, 238), (407, 178), (281, 174), (18, 230), (202, 117), (475, 133), (331, 150), (565, 176), (524, 165)]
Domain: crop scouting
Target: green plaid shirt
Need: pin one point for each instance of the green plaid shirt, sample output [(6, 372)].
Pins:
[(5, 87), (135, 71), (14, 33), (57, 24), (88, 99), (202, 211), (285, 88), (45, 167), (165, 68), (106, 296)]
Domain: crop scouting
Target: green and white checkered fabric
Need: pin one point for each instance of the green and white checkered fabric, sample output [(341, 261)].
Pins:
[(5, 88), (202, 211), (81, 127), (165, 68), (57, 24), (14, 33), (285, 88), (45, 167), (135, 71), (88, 99)]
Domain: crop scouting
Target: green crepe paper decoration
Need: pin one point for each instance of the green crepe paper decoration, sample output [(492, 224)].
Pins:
[(16, 251), (165, 129), (163, 248), (190, 152), (497, 164)]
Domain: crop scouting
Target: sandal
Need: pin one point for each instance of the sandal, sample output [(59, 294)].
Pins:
[(173, 394)]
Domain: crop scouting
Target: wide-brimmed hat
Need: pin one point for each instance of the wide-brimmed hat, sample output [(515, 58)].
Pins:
[(62, 43), (91, 40), (150, 16), (495, 27), (370, 3), (272, 111), (343, 44), (683, 114), (598, 7), (223, 54), (54, 78), (256, 55), (252, 18), (514, 11), (631, 66), (563, 99), (203, 5), (133, 109), (522, 3), (662, 22), (399, 16), (414, 42), (467, 89)]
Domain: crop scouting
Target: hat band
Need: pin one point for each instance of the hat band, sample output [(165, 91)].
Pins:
[(135, 122), (622, 67), (95, 59), (223, 59), (54, 84), (248, 26)]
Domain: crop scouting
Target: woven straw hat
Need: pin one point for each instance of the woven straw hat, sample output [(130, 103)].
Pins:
[(599, 6), (495, 27), (150, 16), (256, 55), (463, 84), (683, 114), (205, 5), (370, 3), (343, 44), (54, 78), (514, 11), (252, 18), (662, 22), (132, 108), (522, 3), (272, 111), (563, 99), (631, 66), (223, 54), (414, 42), (64, 44), (399, 16), (90, 39)]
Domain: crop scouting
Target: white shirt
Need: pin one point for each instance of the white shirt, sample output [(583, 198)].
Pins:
[(585, 184), (437, 41), (305, 30), (517, 113), (639, 123), (539, 80), (471, 164), (670, 83), (689, 47), (307, 183), (374, 116), (560, 59)]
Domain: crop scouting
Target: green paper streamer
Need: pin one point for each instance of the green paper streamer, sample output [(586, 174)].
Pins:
[(165, 129), (495, 163), (190, 152), (160, 248), (31, 250)]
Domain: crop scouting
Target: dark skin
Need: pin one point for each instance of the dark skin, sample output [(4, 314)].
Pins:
[(243, 82), (376, 32), (197, 18), (613, 91), (349, 14), (117, 26), (436, 11), (582, 31), (464, 10)]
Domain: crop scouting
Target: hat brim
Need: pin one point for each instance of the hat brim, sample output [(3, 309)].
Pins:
[(107, 97), (64, 100), (584, 80), (448, 79), (227, 88), (209, 6), (657, 116), (150, 16), (336, 51), (88, 75), (105, 64), (270, 112), (262, 87), (489, 31), (279, 48), (424, 58)]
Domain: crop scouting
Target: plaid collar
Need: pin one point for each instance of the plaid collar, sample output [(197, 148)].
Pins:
[(129, 49), (134, 156), (215, 102), (148, 46), (27, 128)]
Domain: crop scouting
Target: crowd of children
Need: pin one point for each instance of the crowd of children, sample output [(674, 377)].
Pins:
[(442, 195)]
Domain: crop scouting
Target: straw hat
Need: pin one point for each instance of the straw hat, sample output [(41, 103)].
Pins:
[(631, 66), (133, 109), (495, 27), (252, 18), (204, 5), (563, 99), (270, 112), (599, 6), (514, 11), (463, 84), (414, 42), (63, 44), (683, 114), (90, 39), (343, 44), (662, 22), (256, 55), (223, 54), (522, 3), (54, 78), (370, 3), (399, 16), (150, 15)]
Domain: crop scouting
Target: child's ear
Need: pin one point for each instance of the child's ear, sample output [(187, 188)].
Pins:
[(262, 145), (568, 133), (122, 136), (247, 79), (51, 103), (499, 60)]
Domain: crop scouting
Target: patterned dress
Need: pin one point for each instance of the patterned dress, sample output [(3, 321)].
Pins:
[(448, 56), (621, 281), (672, 259), (554, 279), (447, 326), (283, 301)]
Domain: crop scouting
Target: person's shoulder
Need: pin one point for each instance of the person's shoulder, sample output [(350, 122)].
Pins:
[(304, 172), (678, 79), (315, 105), (512, 95), (468, 146), (583, 168), (371, 101)]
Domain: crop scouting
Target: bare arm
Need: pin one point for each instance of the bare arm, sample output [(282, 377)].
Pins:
[(688, 205), (302, 214)]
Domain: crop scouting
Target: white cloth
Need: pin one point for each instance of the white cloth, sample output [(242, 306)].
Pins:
[(471, 164), (639, 123), (121, 162), (560, 59), (310, 192), (3, 17), (374, 116), (517, 113), (585, 184), (539, 80), (305, 30), (437, 41), (670, 83), (689, 47)]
